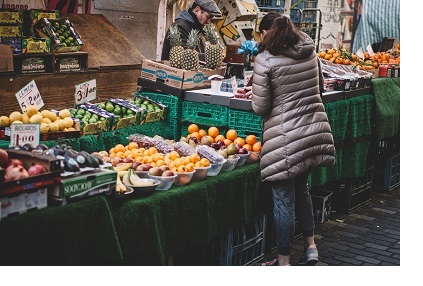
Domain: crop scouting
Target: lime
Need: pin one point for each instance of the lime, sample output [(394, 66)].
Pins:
[(110, 107), (79, 116), (130, 112), (117, 110), (102, 105), (80, 111), (102, 118), (143, 106), (92, 120), (94, 116), (124, 110)]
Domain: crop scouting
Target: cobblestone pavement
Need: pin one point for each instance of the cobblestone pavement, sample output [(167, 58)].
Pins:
[(369, 235)]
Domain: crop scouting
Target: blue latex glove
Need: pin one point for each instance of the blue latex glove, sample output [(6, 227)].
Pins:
[(248, 48)]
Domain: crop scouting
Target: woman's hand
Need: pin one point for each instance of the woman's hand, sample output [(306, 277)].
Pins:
[(249, 91)]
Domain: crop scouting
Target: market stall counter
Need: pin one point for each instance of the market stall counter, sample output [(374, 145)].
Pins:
[(155, 228)]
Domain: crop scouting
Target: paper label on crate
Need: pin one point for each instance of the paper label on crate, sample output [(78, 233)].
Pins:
[(86, 91), (360, 53), (29, 95), (21, 134), (234, 84)]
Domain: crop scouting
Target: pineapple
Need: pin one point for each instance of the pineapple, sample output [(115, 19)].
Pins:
[(190, 56), (213, 49), (176, 52)]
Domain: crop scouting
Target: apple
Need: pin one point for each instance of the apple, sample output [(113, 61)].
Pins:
[(221, 142), (37, 169), (242, 151), (238, 146), (164, 168), (155, 171), (4, 158), (215, 146), (135, 164), (232, 149), (144, 167), (127, 160), (168, 173)]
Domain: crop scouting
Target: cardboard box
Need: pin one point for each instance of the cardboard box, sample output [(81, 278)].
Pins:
[(24, 202), (235, 10), (11, 30), (237, 32), (207, 96), (70, 62), (35, 45), (49, 28), (161, 72), (17, 187), (322, 205), (96, 128), (32, 63), (11, 16), (240, 104), (122, 122), (86, 185), (15, 44), (150, 115)]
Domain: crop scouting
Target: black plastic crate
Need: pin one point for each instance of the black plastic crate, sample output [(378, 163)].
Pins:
[(349, 194), (387, 173), (388, 146)]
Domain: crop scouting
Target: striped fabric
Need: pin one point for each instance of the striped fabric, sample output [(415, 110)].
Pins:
[(379, 18)]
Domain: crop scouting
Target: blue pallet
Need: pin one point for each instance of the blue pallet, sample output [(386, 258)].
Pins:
[(387, 173)]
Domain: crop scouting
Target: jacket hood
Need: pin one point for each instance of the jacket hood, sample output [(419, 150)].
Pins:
[(303, 49), (185, 15)]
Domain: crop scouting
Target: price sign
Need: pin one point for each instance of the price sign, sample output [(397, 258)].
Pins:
[(85, 91), (29, 95), (21, 134)]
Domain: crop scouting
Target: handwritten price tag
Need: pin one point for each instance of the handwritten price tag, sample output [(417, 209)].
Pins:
[(234, 84), (86, 91), (21, 134), (29, 95)]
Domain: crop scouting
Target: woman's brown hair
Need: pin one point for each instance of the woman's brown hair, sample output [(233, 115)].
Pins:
[(281, 36)]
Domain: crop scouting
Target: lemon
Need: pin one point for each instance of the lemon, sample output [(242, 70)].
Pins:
[(4, 121), (25, 118), (53, 127), (71, 129), (68, 122), (46, 113), (17, 122), (61, 123), (44, 127), (36, 118), (52, 116), (15, 116), (64, 113), (31, 110), (46, 120)]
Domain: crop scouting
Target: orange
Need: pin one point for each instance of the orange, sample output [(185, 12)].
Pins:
[(213, 131), (231, 134), (132, 145), (239, 141), (251, 139), (219, 137), (196, 135), (257, 146), (194, 158), (120, 148), (202, 132), (193, 128), (248, 147), (227, 141), (205, 162)]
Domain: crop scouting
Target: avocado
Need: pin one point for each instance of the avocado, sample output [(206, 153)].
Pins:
[(41, 147), (98, 158), (92, 162), (28, 147), (71, 165), (80, 159)]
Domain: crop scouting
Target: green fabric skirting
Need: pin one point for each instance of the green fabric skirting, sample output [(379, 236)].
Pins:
[(387, 100)]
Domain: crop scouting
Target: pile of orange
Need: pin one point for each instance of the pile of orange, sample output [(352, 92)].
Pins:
[(231, 136), (152, 156)]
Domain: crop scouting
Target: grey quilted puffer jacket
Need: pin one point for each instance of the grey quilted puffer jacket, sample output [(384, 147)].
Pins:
[(296, 132)]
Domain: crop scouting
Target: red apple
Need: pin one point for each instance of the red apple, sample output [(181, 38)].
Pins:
[(4, 158), (36, 169), (168, 173), (136, 164)]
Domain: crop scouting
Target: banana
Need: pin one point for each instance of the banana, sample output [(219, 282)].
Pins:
[(120, 187), (136, 181), (122, 173), (122, 167), (125, 179)]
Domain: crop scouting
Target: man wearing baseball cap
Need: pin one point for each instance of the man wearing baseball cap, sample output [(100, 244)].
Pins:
[(200, 14)]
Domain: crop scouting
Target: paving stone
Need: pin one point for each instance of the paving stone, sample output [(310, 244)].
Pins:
[(367, 259), (377, 246)]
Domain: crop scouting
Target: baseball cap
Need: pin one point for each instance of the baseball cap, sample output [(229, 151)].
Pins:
[(209, 6)]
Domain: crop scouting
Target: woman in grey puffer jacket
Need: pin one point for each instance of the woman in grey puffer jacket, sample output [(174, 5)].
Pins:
[(296, 133)]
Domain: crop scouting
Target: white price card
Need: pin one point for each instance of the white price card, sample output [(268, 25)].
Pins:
[(234, 84), (21, 134), (29, 95), (86, 91)]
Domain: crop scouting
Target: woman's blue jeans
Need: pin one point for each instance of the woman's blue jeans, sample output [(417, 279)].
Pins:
[(289, 198)]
